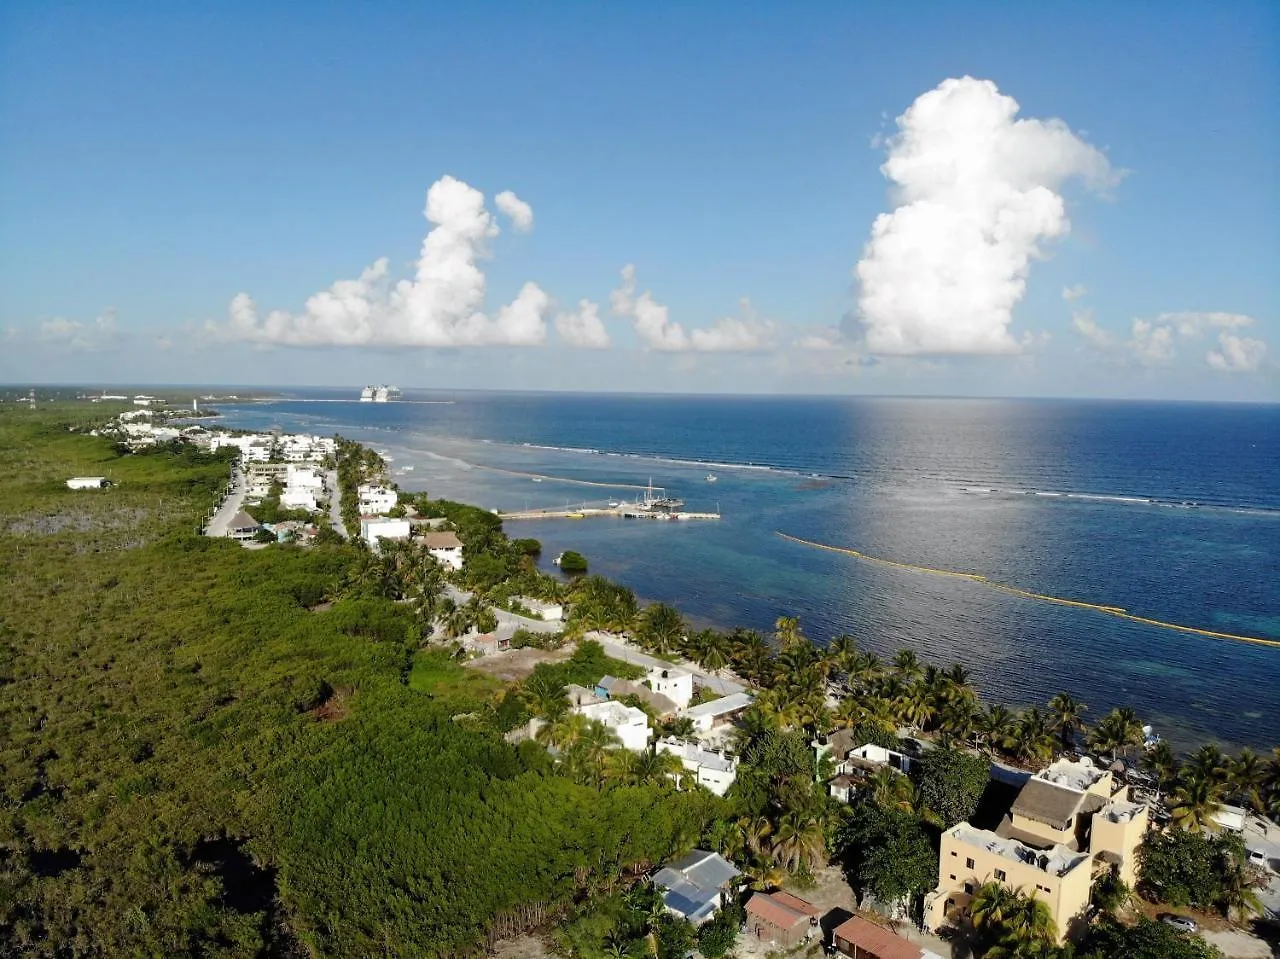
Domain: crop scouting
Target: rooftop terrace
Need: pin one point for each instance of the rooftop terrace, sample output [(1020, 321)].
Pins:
[(1055, 861)]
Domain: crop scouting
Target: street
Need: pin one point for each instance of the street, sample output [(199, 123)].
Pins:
[(217, 525)]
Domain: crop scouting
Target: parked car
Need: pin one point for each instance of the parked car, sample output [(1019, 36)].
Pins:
[(1185, 923), (1258, 857)]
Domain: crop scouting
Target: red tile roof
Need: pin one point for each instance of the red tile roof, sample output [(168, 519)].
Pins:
[(781, 909), (876, 940)]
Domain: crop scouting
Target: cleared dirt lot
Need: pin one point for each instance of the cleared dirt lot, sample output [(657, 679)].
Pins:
[(518, 663)]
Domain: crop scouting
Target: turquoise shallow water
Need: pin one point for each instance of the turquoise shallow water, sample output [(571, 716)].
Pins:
[(1169, 510)]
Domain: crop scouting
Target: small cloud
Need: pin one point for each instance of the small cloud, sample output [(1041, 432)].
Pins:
[(520, 213), (583, 329), (100, 335), (1082, 322), (1236, 354), (657, 331), (1070, 293)]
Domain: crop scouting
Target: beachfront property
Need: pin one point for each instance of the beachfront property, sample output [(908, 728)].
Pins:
[(547, 612), (717, 712), (374, 528), (629, 724), (675, 684), (713, 770), (862, 939), (444, 546), (1068, 823), (611, 687), (376, 500), (696, 886), (781, 919), (87, 482)]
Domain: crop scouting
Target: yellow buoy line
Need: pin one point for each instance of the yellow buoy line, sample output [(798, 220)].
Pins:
[(1117, 611)]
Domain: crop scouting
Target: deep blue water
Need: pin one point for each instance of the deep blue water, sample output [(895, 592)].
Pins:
[(1169, 510)]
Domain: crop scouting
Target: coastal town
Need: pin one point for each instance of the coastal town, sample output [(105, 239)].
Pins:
[(1046, 832)]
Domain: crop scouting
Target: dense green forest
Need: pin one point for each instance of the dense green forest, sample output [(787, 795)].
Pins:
[(200, 757)]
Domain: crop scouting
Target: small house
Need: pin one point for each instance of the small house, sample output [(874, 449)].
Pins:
[(374, 528), (696, 886), (781, 918), (862, 939), (629, 724), (717, 712), (444, 546), (715, 770), (242, 527), (675, 684), (87, 482)]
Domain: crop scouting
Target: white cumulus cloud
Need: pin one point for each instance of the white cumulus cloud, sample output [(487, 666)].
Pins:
[(657, 331), (583, 329), (1082, 322), (1236, 354), (521, 213), (439, 307), (101, 334), (976, 192), (1070, 293)]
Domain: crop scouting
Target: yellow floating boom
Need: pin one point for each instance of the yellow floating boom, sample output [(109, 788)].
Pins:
[(1117, 611)]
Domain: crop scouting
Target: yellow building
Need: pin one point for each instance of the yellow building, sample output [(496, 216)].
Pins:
[(1070, 823)]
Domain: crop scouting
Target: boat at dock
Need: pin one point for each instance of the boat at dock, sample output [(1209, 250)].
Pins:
[(711, 477)]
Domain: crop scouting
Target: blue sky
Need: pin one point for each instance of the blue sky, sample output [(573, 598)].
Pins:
[(157, 164)]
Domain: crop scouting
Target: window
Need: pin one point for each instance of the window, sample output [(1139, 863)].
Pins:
[(1000, 874), (953, 876), (968, 888), (953, 852), (968, 864)]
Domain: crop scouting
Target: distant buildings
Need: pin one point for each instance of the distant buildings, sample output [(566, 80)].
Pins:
[(1068, 822)]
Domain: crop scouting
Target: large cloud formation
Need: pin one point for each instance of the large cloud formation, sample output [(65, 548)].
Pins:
[(976, 192), (439, 307), (658, 332)]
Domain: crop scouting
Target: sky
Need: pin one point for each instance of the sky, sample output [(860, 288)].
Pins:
[(982, 199)]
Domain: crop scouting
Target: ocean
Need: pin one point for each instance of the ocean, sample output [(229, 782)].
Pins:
[(1169, 511)]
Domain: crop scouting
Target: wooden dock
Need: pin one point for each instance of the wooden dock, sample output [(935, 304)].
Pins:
[(614, 512)]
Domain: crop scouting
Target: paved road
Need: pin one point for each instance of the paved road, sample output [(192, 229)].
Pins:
[(629, 654), (505, 618), (230, 506), (335, 503), (1260, 834)]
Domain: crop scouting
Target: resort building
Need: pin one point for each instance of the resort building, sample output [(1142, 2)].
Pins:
[(862, 939), (781, 919), (374, 528), (87, 482), (717, 712), (629, 724), (714, 770), (611, 687), (444, 547), (675, 684), (376, 500), (696, 886), (1069, 823)]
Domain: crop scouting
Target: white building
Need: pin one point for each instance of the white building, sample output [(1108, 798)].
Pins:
[(303, 477), (675, 684), (87, 482), (293, 498), (629, 724), (376, 500), (374, 528), (714, 770), (444, 546), (547, 612), (717, 712)]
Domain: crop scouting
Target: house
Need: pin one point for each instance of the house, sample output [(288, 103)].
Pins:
[(717, 712), (611, 687), (293, 498), (781, 918), (547, 612), (444, 547), (1067, 822), (580, 695), (629, 724), (376, 500), (862, 939), (696, 886), (374, 528), (303, 477), (87, 482), (675, 684), (242, 527), (861, 763), (487, 644), (714, 770)]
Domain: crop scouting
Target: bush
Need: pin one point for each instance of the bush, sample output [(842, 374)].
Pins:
[(571, 562)]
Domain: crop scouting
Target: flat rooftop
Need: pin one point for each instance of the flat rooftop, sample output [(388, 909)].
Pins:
[(1072, 775), (1055, 861)]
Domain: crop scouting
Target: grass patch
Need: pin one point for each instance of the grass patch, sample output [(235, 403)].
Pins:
[(436, 673)]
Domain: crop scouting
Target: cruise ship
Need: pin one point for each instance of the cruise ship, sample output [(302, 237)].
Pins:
[(379, 394)]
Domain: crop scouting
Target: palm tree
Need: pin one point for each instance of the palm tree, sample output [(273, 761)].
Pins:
[(958, 719), (890, 788), (787, 632), (1033, 739), (800, 843), (997, 727), (755, 833), (661, 628), (1163, 763), (842, 649), (652, 767), (1117, 732), (1209, 762), (1247, 777), (714, 654), (992, 903), (907, 664), (752, 653), (863, 669), (1067, 718), (1238, 894), (1194, 802), (546, 697)]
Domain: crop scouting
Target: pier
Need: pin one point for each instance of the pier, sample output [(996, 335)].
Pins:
[(654, 504)]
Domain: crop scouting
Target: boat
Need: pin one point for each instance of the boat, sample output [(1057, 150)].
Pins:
[(614, 504), (711, 477), (379, 394), (557, 560), (537, 479)]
